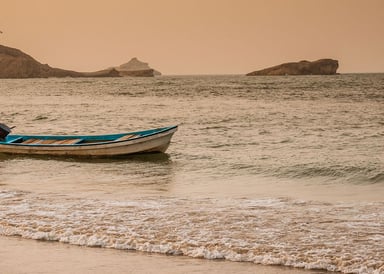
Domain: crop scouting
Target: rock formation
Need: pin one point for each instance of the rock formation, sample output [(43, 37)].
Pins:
[(16, 64), (319, 67), (136, 68)]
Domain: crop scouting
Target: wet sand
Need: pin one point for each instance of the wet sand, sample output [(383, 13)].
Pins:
[(29, 256)]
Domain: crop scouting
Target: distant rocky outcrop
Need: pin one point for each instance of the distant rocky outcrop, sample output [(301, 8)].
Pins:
[(319, 67), (136, 68), (16, 64)]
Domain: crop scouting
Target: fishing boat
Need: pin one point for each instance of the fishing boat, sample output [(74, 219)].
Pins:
[(110, 145)]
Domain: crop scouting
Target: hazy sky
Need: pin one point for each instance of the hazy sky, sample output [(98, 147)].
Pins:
[(196, 36)]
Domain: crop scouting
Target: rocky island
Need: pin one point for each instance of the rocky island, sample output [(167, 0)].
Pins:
[(16, 64), (136, 68), (319, 67)]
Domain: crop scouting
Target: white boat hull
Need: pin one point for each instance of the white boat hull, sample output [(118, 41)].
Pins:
[(153, 143)]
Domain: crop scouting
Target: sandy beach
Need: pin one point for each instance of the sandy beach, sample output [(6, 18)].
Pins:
[(29, 256)]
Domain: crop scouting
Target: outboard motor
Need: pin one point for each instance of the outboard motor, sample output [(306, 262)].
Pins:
[(4, 131)]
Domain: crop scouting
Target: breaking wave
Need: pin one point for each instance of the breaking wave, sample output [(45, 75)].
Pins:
[(345, 237)]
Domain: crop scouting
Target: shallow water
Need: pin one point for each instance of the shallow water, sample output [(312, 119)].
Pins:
[(271, 170)]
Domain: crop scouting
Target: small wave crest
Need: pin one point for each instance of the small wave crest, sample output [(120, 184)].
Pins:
[(378, 178), (352, 174)]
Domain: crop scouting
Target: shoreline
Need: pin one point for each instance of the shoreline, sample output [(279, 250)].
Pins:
[(18, 255)]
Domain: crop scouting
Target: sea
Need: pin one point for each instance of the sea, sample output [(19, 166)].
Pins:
[(282, 170)]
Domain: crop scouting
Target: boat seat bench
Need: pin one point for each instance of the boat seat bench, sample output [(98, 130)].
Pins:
[(126, 137), (68, 142)]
